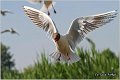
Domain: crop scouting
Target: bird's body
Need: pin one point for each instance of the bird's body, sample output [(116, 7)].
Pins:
[(66, 44), (63, 45), (47, 5), (63, 51)]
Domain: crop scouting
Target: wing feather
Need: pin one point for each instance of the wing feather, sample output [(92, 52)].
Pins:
[(81, 26), (41, 20)]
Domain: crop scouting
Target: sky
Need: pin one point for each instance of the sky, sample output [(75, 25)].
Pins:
[(33, 40)]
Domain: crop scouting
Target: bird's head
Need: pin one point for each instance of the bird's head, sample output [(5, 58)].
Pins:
[(56, 36)]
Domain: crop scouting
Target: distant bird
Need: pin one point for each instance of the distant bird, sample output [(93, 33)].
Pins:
[(66, 44), (11, 30), (4, 12), (47, 5)]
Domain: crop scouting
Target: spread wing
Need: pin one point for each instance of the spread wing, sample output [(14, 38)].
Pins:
[(81, 26), (41, 19), (16, 33), (7, 30), (8, 12)]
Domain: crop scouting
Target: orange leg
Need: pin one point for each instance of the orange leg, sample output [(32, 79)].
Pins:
[(68, 56), (59, 58), (54, 9), (48, 13)]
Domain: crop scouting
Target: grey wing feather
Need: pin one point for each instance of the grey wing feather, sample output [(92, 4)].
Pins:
[(15, 32), (81, 26), (8, 12), (5, 31), (41, 20)]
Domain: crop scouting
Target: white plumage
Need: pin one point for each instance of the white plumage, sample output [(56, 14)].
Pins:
[(66, 44)]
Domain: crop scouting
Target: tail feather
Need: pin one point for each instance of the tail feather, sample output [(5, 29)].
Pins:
[(73, 58), (60, 57), (57, 56)]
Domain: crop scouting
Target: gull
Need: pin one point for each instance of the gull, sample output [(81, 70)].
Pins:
[(4, 12), (47, 5), (66, 44), (11, 30)]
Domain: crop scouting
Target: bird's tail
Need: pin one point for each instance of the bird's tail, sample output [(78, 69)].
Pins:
[(73, 58), (44, 8), (69, 59)]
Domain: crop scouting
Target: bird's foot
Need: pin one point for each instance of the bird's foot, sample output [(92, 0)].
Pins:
[(68, 58), (55, 11), (59, 58), (48, 13)]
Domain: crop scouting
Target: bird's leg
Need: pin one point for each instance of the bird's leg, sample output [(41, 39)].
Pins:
[(68, 57), (48, 13), (59, 58), (54, 9)]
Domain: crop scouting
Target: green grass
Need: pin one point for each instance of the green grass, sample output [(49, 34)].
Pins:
[(90, 64), (94, 64)]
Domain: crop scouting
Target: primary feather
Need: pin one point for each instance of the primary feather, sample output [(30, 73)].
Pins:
[(41, 20), (81, 26)]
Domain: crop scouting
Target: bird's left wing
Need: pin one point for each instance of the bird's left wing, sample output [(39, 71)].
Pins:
[(8, 12), (7, 30), (41, 19), (81, 26)]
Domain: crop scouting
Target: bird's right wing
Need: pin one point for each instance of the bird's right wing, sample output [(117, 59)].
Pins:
[(41, 19), (17, 33)]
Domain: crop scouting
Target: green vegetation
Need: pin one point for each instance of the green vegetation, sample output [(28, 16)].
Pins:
[(94, 64), (6, 60)]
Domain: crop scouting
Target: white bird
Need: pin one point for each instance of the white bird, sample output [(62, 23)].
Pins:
[(66, 44), (4, 12), (11, 30), (47, 5)]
